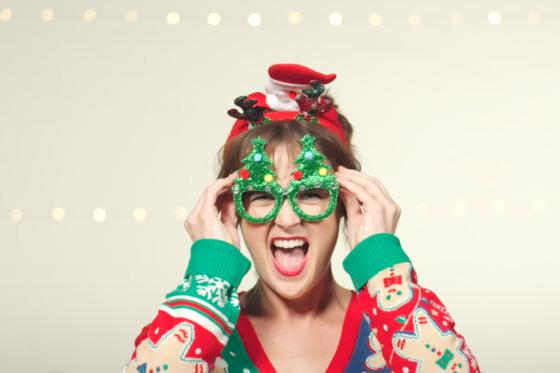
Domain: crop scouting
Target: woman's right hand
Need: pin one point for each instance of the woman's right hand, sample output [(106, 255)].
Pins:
[(214, 214)]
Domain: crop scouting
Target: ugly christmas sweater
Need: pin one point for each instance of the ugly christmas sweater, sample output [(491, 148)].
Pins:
[(392, 324)]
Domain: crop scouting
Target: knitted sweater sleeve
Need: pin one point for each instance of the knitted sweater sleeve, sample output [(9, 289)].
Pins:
[(411, 330), (196, 319)]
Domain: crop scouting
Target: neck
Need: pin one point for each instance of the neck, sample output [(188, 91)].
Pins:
[(326, 298)]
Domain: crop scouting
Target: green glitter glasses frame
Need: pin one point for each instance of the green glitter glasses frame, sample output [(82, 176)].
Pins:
[(312, 193)]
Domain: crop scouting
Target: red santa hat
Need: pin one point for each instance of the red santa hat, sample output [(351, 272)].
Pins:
[(285, 99), (292, 73)]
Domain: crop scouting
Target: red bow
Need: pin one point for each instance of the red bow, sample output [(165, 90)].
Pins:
[(393, 280)]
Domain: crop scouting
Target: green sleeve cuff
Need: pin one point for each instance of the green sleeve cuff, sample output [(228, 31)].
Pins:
[(372, 255), (217, 258)]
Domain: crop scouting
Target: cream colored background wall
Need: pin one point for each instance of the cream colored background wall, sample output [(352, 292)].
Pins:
[(455, 110)]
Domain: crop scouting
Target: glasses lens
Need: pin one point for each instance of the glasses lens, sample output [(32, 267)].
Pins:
[(258, 204), (314, 201)]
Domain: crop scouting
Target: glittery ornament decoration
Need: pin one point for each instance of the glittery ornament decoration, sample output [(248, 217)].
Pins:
[(257, 175), (311, 103), (251, 113), (317, 174), (312, 174)]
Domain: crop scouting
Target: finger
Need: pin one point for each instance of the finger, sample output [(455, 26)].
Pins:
[(387, 195), (368, 202), (201, 200), (356, 173), (369, 185), (211, 195)]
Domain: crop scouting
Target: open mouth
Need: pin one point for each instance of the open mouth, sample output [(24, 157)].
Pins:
[(289, 256)]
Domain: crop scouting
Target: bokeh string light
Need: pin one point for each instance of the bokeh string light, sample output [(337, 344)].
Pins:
[(132, 16), (496, 207), (459, 208), (47, 15), (213, 19)]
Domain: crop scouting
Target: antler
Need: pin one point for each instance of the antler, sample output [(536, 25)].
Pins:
[(310, 100), (250, 112), (316, 90)]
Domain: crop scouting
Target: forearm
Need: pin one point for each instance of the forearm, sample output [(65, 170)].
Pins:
[(411, 325), (197, 318)]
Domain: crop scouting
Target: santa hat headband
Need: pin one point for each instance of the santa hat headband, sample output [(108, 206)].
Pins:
[(293, 92)]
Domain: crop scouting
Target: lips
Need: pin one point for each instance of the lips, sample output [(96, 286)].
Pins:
[(289, 261)]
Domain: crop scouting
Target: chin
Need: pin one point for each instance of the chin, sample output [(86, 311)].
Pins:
[(297, 287), (293, 291)]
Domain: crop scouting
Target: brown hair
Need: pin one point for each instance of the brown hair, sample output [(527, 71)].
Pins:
[(289, 132)]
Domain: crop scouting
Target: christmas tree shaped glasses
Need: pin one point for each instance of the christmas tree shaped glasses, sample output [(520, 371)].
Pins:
[(312, 193)]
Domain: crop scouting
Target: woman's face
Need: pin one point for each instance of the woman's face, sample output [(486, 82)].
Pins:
[(297, 270)]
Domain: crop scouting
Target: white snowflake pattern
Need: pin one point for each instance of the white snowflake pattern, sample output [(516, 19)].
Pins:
[(186, 284), (234, 300), (213, 288)]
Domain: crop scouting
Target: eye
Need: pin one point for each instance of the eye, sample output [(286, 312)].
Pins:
[(264, 196), (314, 193), (310, 195)]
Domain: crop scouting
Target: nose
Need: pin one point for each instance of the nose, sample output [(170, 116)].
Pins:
[(287, 218)]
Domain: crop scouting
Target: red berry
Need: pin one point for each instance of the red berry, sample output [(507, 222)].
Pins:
[(298, 175), (244, 173)]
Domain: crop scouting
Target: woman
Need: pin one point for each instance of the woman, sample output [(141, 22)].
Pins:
[(288, 175)]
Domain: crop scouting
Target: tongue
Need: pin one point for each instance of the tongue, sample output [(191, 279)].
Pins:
[(289, 258)]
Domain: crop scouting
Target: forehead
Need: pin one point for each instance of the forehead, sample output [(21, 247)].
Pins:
[(283, 157)]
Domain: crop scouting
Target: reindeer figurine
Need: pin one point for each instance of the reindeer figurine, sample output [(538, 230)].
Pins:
[(251, 113)]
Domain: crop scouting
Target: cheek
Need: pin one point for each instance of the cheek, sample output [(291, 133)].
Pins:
[(255, 236), (326, 234)]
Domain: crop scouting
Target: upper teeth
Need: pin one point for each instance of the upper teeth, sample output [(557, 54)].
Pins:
[(288, 244)]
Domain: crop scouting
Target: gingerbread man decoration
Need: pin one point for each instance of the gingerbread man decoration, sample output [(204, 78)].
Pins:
[(432, 349), (173, 352), (392, 286)]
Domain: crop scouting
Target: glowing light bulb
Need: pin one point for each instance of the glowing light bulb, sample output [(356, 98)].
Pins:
[(16, 215), (58, 213), (455, 18), (295, 18), (375, 19), (494, 18), (214, 19), (173, 18), (181, 213), (5, 15), (335, 19), (414, 20), (459, 208), (47, 15), (99, 214), (140, 214), (254, 19), (90, 15), (132, 16)]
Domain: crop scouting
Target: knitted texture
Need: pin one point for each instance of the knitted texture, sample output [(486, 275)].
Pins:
[(392, 324)]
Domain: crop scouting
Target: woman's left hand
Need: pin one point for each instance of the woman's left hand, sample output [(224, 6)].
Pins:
[(370, 209)]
